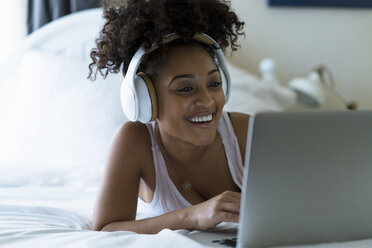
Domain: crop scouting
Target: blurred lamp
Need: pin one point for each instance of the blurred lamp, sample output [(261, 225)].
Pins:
[(310, 92)]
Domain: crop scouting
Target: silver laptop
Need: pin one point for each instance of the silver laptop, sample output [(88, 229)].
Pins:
[(308, 179)]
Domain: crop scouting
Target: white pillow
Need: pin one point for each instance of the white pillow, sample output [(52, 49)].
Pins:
[(55, 118)]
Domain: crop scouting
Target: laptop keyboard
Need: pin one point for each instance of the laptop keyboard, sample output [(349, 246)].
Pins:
[(226, 242)]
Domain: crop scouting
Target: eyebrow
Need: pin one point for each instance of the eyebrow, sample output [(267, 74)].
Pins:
[(189, 76)]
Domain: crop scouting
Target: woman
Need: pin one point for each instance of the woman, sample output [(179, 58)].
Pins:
[(186, 165)]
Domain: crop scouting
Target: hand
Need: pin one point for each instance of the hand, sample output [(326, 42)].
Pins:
[(224, 207)]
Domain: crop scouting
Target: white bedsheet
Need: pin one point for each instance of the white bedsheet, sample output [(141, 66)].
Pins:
[(60, 216), (52, 227), (39, 216)]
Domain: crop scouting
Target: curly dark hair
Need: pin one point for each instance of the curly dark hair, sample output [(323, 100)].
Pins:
[(132, 23)]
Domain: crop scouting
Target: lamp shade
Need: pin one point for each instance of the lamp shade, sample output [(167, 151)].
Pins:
[(309, 90)]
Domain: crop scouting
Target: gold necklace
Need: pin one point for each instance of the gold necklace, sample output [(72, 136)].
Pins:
[(186, 185)]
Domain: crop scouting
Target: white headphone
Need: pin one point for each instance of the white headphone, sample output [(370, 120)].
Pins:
[(137, 93)]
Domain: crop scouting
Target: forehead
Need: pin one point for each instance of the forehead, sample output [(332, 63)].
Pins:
[(187, 59)]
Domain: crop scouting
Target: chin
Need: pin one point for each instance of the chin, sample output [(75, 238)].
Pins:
[(204, 141)]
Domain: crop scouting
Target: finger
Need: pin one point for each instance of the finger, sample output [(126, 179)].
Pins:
[(230, 196), (231, 207), (228, 217), (233, 193)]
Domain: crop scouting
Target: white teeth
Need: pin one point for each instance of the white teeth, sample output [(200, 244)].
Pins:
[(201, 118)]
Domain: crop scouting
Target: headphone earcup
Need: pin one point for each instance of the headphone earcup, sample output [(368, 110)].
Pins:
[(128, 100), (147, 99)]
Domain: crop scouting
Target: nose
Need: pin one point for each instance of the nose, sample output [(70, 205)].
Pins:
[(204, 98)]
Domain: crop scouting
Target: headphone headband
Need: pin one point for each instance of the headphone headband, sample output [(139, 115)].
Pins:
[(201, 37)]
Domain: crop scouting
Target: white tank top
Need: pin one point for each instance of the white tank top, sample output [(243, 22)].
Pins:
[(166, 197)]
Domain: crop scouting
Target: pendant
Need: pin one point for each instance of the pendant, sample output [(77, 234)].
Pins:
[(186, 186)]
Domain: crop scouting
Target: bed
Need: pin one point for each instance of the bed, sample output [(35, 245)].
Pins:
[(55, 129)]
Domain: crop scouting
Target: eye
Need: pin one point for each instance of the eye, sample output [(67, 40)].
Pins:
[(215, 84), (184, 90)]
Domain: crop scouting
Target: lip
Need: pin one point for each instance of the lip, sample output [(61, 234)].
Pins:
[(204, 125)]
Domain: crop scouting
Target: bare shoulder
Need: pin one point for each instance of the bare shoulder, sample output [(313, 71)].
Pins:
[(240, 124), (132, 134), (130, 142), (132, 130), (131, 147)]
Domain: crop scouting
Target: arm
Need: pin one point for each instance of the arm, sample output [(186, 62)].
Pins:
[(203, 216), (119, 190), (117, 203)]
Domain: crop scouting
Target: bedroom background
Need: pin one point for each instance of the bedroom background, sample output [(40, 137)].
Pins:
[(298, 39)]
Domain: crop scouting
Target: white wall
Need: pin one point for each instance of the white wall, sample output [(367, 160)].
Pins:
[(299, 39)]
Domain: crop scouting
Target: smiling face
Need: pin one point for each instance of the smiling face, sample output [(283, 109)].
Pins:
[(190, 96)]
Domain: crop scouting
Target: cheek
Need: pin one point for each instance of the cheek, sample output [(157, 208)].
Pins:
[(170, 107), (220, 98)]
